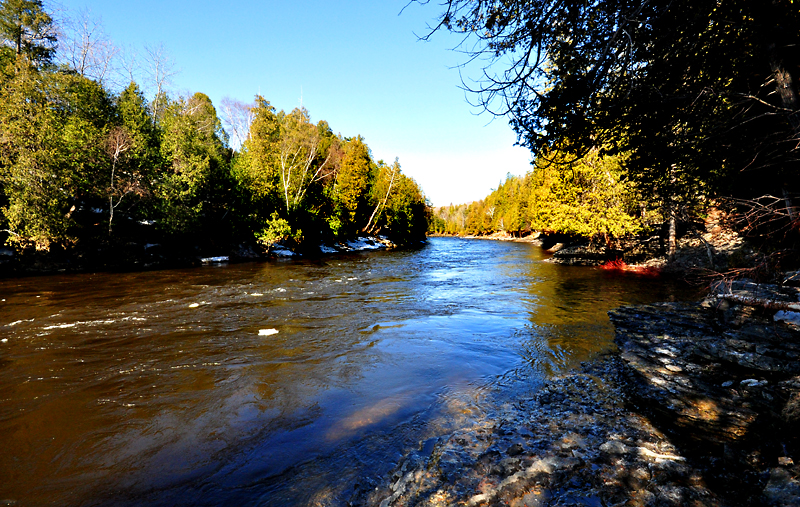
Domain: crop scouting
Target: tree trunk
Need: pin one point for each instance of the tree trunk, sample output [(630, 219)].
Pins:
[(672, 244), (673, 216)]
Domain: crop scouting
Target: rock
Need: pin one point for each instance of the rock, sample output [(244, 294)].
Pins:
[(724, 378), (751, 382), (515, 450), (783, 489), (580, 255), (614, 447)]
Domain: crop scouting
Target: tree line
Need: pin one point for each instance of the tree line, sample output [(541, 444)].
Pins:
[(698, 97), (587, 197), (83, 159)]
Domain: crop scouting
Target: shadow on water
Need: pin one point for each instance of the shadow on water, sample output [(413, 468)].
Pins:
[(280, 383)]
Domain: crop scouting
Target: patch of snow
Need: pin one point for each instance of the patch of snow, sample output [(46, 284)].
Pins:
[(267, 332), (788, 317), (151, 245), (215, 260), (327, 249), (195, 305), (283, 252), (59, 326), (4, 340), (751, 382), (256, 294), (364, 244), (97, 210)]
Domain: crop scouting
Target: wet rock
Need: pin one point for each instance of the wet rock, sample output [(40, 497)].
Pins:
[(580, 255), (614, 447), (515, 450), (722, 378), (783, 489), (586, 448)]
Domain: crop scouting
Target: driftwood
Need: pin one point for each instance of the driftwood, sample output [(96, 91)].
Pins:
[(769, 304)]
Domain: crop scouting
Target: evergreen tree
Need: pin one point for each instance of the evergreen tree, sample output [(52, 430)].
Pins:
[(28, 30)]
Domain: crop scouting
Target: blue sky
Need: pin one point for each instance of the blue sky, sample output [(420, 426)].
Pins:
[(357, 64)]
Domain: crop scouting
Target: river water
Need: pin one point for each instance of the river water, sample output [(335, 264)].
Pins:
[(280, 383)]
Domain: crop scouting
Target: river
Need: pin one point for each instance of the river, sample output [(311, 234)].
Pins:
[(281, 383)]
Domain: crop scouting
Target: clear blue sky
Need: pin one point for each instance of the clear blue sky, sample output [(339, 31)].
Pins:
[(358, 64)]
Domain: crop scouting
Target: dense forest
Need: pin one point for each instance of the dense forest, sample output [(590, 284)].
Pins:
[(88, 158), (587, 198), (638, 112)]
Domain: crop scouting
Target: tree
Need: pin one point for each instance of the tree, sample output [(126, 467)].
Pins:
[(384, 173), (297, 152), (352, 184), (160, 69), (143, 160), (86, 48), (52, 128), (237, 117), (119, 141), (28, 29), (194, 146), (695, 90), (585, 197), (254, 166), (407, 213)]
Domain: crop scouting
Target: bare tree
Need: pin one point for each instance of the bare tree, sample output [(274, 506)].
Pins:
[(237, 117), (86, 48), (160, 69), (128, 65), (117, 143), (395, 168), (297, 152)]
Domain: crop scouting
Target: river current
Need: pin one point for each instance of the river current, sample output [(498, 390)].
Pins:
[(279, 383)]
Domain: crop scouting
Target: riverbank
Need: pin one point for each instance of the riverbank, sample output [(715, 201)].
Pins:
[(142, 256), (709, 247), (700, 407)]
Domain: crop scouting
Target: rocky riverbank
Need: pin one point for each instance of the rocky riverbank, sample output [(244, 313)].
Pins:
[(135, 256), (700, 407)]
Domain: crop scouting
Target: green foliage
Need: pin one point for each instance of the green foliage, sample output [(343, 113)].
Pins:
[(192, 145), (28, 30), (700, 95), (276, 229), (254, 168), (406, 211), (52, 129), (584, 197), (70, 149), (352, 184)]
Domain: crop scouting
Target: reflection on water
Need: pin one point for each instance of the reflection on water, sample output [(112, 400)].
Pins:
[(164, 388)]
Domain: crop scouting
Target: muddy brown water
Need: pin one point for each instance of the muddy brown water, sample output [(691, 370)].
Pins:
[(281, 383)]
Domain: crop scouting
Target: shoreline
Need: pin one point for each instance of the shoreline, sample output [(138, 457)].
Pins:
[(658, 423), (134, 257)]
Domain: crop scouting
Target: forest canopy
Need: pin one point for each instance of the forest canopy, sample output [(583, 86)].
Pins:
[(94, 147), (700, 96)]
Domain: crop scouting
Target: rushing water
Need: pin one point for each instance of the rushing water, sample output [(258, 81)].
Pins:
[(174, 388)]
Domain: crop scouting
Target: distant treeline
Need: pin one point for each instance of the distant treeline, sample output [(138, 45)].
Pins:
[(81, 162), (585, 197)]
